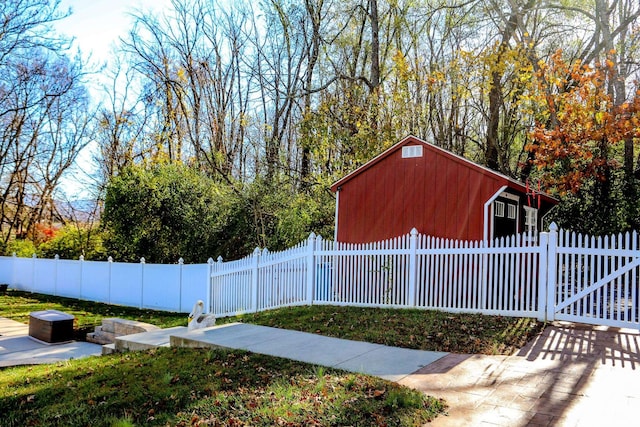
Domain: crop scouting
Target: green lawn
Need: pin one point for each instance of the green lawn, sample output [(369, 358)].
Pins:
[(232, 388), (203, 387), (408, 328)]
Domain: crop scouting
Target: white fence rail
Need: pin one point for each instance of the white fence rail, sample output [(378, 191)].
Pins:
[(558, 275), (173, 287)]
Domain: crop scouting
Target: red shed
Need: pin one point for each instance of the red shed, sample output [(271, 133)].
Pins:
[(416, 184)]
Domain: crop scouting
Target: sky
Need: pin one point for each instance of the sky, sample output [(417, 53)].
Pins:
[(97, 24)]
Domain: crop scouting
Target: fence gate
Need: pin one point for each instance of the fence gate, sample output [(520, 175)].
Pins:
[(594, 280)]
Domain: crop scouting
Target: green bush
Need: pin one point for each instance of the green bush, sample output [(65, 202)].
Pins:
[(21, 247), (599, 207), (72, 241), (166, 212), (279, 216)]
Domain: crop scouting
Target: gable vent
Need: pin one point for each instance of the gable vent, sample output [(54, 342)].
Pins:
[(409, 151)]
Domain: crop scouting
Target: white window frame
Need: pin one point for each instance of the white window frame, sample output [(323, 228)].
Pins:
[(531, 221), (499, 209), (512, 211), (412, 151)]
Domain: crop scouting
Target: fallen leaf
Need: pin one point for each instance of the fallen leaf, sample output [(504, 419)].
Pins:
[(378, 393)]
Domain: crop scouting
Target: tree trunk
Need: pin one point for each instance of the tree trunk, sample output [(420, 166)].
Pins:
[(495, 93), (491, 146), (375, 45)]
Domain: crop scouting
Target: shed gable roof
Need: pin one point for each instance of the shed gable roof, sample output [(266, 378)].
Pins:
[(412, 140)]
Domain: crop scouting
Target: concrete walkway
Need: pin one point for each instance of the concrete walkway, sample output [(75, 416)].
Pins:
[(16, 348), (570, 375), (391, 363)]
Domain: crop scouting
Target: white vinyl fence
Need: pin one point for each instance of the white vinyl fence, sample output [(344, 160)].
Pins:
[(555, 275), (170, 287)]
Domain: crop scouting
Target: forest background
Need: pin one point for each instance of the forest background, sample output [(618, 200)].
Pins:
[(224, 123)]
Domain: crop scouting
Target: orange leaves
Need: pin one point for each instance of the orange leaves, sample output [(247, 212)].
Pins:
[(583, 125), (44, 233)]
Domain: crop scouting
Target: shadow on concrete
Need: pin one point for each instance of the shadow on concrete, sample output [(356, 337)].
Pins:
[(577, 343), (569, 375), (584, 378)]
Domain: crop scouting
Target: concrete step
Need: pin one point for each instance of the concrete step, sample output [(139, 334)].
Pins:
[(100, 336), (108, 325), (126, 327), (108, 349), (147, 340), (199, 338)]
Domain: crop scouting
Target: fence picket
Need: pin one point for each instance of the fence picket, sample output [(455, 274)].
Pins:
[(634, 284)]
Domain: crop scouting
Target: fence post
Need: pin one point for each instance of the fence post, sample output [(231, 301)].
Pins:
[(14, 269), (81, 259), (33, 272), (484, 276), (180, 265), (254, 280), (142, 262), (311, 247), (110, 261), (209, 295), (216, 287), (55, 274), (552, 274), (543, 250), (413, 267)]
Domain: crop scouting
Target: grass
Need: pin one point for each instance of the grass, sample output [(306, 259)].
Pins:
[(408, 328), (186, 387), (17, 305)]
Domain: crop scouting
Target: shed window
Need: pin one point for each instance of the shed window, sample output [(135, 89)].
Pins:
[(409, 151), (531, 223), (511, 212), (499, 206), (531, 220)]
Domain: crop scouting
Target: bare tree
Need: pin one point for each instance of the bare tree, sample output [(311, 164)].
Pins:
[(47, 123), (121, 123)]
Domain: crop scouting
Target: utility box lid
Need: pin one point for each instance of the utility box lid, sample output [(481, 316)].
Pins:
[(51, 315)]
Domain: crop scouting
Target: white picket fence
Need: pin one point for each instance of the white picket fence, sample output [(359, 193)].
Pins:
[(409, 271), (556, 275), (169, 287)]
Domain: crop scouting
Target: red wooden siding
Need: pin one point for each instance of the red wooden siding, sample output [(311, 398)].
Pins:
[(439, 193)]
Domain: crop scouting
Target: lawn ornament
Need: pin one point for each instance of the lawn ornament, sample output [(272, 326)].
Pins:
[(198, 320)]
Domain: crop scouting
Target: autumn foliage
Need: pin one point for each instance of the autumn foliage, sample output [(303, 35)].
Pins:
[(45, 232), (581, 124)]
